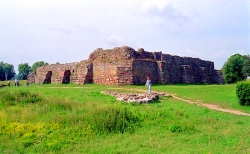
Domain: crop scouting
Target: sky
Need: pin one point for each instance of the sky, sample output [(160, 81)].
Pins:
[(68, 31)]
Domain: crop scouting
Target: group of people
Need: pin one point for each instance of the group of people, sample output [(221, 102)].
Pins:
[(17, 84)]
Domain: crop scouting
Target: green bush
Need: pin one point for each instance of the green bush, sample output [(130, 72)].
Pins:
[(243, 92), (113, 119)]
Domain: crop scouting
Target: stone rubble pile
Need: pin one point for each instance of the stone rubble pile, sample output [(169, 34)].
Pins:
[(134, 97)]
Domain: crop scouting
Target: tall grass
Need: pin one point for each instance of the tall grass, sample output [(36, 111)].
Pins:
[(22, 96), (51, 123), (113, 119)]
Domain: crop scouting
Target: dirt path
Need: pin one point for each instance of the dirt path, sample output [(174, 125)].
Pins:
[(210, 106)]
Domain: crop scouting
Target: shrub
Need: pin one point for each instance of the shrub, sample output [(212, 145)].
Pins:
[(113, 119), (243, 92)]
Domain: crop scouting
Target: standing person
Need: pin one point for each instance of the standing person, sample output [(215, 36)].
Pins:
[(15, 82), (148, 85)]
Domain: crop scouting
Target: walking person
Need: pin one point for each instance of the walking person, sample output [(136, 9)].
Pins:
[(148, 85)]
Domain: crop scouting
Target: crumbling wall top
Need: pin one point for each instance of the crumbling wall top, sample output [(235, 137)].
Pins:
[(54, 67), (118, 53)]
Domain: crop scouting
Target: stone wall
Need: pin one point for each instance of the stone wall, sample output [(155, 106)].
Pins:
[(144, 68), (83, 73), (218, 77), (125, 66), (112, 67), (78, 72), (31, 77)]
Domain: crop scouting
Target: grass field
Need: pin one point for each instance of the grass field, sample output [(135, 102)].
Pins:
[(79, 119)]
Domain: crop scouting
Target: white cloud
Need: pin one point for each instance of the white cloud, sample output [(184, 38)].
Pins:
[(222, 54), (219, 54), (191, 53), (164, 15), (242, 52), (115, 40), (147, 5)]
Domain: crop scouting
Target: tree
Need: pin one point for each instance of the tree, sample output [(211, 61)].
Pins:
[(38, 64), (233, 69), (6, 71), (1, 72), (246, 66), (24, 70)]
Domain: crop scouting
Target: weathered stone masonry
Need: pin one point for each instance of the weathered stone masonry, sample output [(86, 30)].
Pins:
[(125, 66)]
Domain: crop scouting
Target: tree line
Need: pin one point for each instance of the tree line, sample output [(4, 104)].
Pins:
[(236, 68), (7, 71)]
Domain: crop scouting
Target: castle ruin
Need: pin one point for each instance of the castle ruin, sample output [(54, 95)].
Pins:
[(125, 66)]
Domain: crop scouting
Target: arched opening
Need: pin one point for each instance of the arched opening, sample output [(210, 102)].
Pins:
[(66, 77), (48, 78)]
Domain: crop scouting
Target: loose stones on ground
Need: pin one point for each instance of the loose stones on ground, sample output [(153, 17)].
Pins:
[(134, 97)]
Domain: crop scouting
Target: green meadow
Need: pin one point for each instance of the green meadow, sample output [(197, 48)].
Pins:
[(79, 119)]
